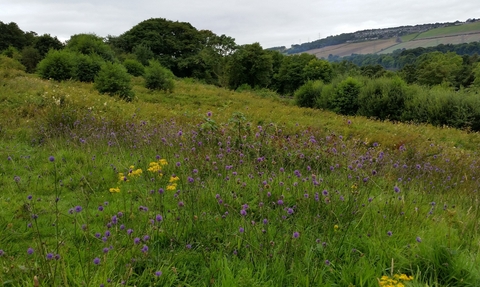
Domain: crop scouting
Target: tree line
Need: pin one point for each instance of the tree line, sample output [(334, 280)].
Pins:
[(433, 86)]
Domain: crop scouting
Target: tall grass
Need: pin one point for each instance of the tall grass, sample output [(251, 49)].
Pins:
[(208, 187)]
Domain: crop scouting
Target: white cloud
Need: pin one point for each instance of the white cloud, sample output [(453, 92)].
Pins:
[(272, 23)]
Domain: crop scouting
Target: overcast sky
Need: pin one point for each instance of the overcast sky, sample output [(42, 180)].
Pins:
[(271, 23)]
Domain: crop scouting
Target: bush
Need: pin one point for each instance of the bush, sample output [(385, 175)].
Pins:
[(87, 67), (57, 65), (345, 100), (307, 94), (113, 79), (383, 98), (8, 63), (134, 67), (30, 58), (158, 77)]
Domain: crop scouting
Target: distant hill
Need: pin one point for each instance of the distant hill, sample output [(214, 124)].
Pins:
[(383, 41)]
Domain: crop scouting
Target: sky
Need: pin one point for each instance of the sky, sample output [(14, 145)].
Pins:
[(268, 22)]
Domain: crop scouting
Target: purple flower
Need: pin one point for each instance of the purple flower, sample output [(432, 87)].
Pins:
[(98, 235), (30, 250), (158, 218), (51, 158), (241, 230), (96, 261), (327, 262), (396, 189), (106, 249), (78, 208), (129, 231), (136, 240), (2, 252), (325, 192), (146, 238), (280, 202), (158, 273), (145, 249), (243, 212), (290, 210), (100, 208), (419, 239), (114, 219), (265, 221), (49, 256), (389, 233), (296, 234), (107, 233), (181, 204), (188, 246)]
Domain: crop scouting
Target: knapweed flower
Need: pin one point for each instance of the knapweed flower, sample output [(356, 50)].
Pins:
[(396, 189), (96, 261), (78, 208), (158, 273), (30, 250), (241, 230), (145, 249), (389, 233), (158, 217), (419, 239), (296, 234), (50, 256), (114, 190), (51, 158)]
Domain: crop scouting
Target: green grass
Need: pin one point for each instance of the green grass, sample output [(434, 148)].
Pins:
[(268, 194)]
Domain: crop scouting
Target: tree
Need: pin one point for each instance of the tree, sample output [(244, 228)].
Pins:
[(291, 74), (317, 69), (250, 65), (89, 44), (46, 42), (436, 68), (171, 42), (11, 35)]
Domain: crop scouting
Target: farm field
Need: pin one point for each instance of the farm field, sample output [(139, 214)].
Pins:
[(368, 47), (210, 187)]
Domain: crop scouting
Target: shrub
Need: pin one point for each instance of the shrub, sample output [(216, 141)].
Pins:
[(113, 79), (8, 63), (57, 65), (345, 100), (383, 98), (87, 67), (143, 54), (307, 94), (30, 58), (158, 78), (134, 67)]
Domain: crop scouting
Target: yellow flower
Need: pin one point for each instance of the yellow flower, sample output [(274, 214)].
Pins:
[(335, 227), (173, 179), (163, 162), (121, 177), (114, 190), (172, 186)]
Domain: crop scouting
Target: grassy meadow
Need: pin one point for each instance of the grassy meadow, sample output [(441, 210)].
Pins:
[(210, 187)]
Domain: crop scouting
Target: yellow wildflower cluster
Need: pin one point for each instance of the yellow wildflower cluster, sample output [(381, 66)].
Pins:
[(114, 190), (136, 172), (173, 183), (395, 281), (156, 166)]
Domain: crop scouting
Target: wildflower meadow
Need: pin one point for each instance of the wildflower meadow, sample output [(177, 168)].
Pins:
[(209, 187)]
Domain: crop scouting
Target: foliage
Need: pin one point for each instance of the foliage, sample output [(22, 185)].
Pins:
[(291, 73), (251, 65), (158, 77), (134, 67), (113, 79), (46, 42), (30, 58), (8, 63), (318, 69), (345, 100), (143, 54), (383, 98), (307, 94), (57, 65), (437, 68), (11, 35), (87, 67), (90, 44)]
